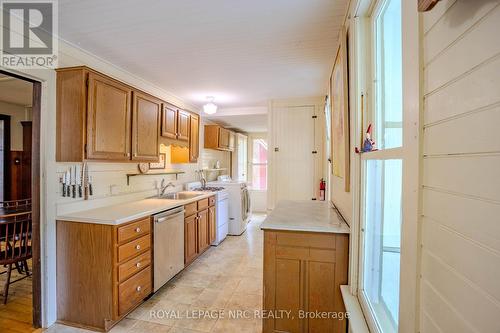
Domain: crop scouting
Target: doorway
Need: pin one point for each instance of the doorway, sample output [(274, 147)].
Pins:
[(20, 106), (293, 166)]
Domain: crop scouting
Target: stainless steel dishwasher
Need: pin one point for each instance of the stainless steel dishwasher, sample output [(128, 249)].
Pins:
[(168, 245)]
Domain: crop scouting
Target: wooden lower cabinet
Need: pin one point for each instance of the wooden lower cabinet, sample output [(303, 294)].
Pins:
[(212, 225), (103, 271), (190, 238), (303, 273), (197, 231), (203, 231)]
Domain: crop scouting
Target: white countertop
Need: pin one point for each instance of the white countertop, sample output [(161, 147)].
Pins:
[(309, 216), (129, 211)]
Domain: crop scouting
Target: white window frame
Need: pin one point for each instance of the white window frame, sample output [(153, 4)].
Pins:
[(409, 315)]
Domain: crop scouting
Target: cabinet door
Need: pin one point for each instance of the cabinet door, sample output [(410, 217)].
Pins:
[(212, 225), (304, 272), (194, 138), (182, 125), (232, 138), (146, 111), (190, 239), (203, 236), (223, 138), (169, 121), (108, 119)]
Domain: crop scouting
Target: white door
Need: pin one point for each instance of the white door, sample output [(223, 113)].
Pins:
[(293, 158)]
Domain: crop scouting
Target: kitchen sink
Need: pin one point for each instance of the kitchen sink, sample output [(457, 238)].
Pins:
[(179, 196)]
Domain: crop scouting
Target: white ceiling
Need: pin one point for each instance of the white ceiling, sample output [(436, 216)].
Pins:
[(243, 52), (249, 119), (15, 91)]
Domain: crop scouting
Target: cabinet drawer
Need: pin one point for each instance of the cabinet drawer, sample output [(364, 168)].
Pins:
[(211, 201), (316, 240), (190, 209), (134, 290), (133, 230), (131, 249), (202, 204), (133, 266)]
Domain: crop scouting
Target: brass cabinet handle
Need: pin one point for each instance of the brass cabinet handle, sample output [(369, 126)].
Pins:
[(139, 288), (138, 265), (137, 247), (137, 229)]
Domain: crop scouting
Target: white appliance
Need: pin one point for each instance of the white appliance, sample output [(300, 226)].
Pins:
[(221, 210), (239, 203), (168, 245)]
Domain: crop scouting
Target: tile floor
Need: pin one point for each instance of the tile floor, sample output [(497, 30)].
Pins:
[(219, 292)]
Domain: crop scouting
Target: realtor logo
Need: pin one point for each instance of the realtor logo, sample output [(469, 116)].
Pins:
[(28, 30)]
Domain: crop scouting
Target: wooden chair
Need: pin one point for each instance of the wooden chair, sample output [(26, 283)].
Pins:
[(15, 245), (23, 204), (12, 207)]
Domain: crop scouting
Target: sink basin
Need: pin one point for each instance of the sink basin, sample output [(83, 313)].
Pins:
[(179, 196)]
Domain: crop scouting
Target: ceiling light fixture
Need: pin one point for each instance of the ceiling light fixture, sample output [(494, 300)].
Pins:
[(210, 107)]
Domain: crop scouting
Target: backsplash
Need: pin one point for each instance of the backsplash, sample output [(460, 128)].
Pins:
[(109, 180)]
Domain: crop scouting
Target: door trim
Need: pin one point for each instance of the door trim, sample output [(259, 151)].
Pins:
[(7, 190), (35, 197)]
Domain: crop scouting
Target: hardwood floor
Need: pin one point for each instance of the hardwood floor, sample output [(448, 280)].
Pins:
[(16, 315)]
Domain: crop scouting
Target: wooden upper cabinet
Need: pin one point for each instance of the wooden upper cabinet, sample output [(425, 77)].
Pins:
[(232, 139), (146, 112), (194, 138), (71, 107), (108, 119), (218, 137), (183, 125), (102, 119), (223, 138), (169, 121)]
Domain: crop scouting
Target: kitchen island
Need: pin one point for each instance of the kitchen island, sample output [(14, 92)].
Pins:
[(306, 257)]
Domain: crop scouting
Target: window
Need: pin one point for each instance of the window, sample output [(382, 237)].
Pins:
[(259, 164), (242, 158), (381, 203)]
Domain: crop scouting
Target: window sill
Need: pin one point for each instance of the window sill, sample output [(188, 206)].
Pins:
[(357, 323)]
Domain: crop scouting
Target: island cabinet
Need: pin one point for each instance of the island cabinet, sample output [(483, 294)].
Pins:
[(103, 271), (199, 228), (303, 272)]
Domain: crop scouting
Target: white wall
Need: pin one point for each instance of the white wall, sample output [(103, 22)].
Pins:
[(460, 289), (17, 114)]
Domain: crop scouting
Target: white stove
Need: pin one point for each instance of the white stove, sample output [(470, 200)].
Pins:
[(221, 210)]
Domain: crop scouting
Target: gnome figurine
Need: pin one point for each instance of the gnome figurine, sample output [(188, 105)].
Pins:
[(368, 144)]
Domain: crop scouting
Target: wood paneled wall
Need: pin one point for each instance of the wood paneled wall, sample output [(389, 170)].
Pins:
[(461, 188)]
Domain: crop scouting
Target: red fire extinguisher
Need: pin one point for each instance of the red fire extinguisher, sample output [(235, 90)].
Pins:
[(322, 188)]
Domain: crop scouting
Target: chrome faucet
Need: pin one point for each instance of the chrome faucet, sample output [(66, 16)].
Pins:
[(164, 187), (203, 180)]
